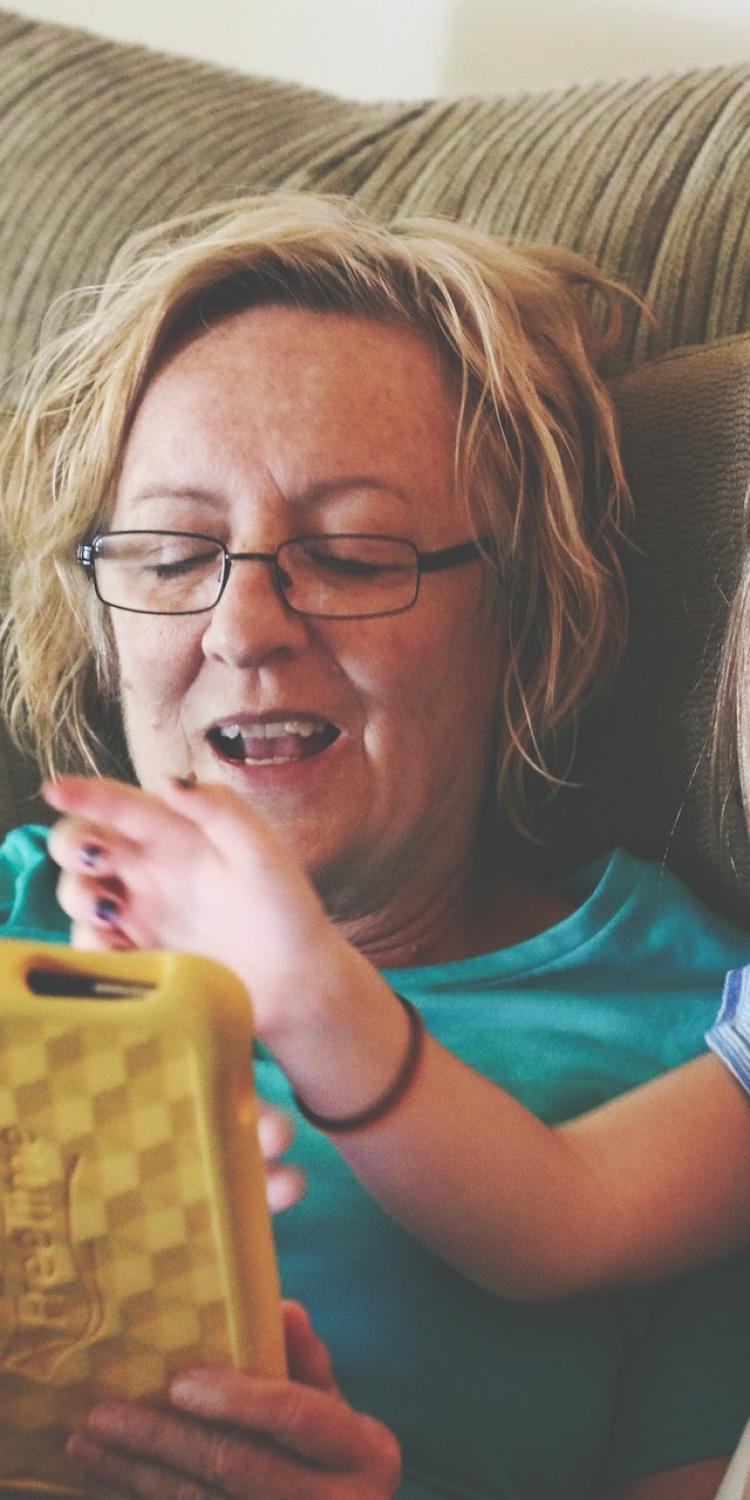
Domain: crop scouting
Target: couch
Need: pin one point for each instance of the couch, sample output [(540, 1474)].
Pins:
[(648, 176)]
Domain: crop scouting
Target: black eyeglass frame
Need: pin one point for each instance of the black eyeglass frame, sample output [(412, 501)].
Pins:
[(434, 561)]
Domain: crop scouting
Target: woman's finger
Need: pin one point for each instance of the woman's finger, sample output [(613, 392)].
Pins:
[(120, 1474), (154, 1454), (307, 1357), (285, 1186), (275, 1130), (314, 1424)]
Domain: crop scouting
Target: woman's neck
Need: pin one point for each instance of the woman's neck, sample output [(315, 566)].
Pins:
[(467, 914)]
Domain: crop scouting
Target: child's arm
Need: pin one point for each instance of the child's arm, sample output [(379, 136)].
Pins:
[(652, 1182)]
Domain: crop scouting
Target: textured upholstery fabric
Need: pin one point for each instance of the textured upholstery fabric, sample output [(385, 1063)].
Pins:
[(645, 752), (686, 438), (649, 177)]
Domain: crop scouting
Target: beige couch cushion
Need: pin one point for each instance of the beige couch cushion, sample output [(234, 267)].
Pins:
[(647, 176)]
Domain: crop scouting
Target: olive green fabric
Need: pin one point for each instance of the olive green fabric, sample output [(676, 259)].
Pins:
[(649, 177)]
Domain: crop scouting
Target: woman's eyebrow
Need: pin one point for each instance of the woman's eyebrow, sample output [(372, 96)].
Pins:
[(330, 489), (315, 494), (171, 492)]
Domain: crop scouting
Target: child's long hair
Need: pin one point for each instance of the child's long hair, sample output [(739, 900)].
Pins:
[(731, 740)]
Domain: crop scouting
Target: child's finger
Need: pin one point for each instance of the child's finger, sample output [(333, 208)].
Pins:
[(100, 869), (87, 848), (243, 840), (90, 900), (98, 939), (104, 910), (222, 814), (127, 809)]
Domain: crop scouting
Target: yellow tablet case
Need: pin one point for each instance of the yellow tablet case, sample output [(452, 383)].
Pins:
[(134, 1233)]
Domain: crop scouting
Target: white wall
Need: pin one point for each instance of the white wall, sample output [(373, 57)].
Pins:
[(413, 48), (501, 44)]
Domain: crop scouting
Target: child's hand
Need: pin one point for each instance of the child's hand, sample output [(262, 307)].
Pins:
[(192, 870), (196, 871), (108, 912)]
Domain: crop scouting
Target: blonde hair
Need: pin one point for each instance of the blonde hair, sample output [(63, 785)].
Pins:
[(536, 456)]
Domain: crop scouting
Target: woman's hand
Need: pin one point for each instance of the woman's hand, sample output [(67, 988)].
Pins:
[(285, 1184), (226, 1433)]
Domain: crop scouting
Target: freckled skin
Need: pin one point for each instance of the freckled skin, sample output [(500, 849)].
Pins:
[(266, 416)]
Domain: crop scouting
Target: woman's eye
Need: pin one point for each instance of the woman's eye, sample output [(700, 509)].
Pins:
[(178, 567), (350, 566)]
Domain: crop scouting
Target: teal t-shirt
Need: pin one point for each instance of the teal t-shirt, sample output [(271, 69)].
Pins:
[(490, 1399)]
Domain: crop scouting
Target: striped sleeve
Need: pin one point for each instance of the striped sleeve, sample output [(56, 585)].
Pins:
[(729, 1036)]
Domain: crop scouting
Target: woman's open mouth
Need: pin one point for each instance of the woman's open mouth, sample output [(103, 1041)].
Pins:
[(273, 741)]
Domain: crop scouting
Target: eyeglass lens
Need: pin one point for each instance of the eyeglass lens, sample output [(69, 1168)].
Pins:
[(335, 576)]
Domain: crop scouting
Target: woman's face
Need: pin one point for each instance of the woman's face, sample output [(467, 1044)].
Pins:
[(277, 423)]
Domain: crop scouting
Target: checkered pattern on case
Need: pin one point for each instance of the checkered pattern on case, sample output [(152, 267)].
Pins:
[(110, 1275)]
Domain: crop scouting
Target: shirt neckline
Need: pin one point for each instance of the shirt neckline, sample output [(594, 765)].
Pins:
[(602, 890)]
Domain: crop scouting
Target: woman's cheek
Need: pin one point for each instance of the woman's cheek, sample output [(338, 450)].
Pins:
[(155, 675)]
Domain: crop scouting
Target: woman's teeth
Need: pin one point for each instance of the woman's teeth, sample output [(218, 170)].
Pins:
[(273, 741)]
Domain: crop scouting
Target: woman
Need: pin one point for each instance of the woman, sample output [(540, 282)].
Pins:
[(387, 602)]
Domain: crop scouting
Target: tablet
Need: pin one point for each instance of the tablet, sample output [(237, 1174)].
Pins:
[(135, 1236)]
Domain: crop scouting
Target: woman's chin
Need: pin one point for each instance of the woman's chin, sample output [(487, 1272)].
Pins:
[(300, 803), (310, 801)]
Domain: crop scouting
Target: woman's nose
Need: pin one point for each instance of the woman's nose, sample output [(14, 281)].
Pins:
[(251, 620)]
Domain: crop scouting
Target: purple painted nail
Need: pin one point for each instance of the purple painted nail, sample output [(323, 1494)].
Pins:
[(106, 908), (90, 855)]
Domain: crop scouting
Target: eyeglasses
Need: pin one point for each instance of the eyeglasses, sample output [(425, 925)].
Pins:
[(346, 577)]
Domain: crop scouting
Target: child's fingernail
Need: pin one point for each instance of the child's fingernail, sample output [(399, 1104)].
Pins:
[(105, 908), (90, 855)]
